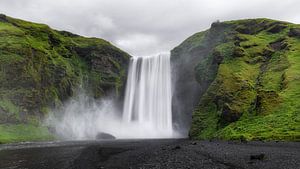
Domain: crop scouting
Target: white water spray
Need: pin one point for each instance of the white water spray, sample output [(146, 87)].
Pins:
[(148, 94), (146, 113)]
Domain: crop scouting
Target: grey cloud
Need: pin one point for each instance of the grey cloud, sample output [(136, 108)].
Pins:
[(145, 27)]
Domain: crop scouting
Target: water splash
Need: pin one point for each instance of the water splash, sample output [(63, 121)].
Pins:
[(146, 112)]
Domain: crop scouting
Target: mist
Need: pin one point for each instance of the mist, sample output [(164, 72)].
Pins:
[(83, 118), (147, 111)]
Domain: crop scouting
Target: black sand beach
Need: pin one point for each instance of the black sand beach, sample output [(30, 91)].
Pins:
[(158, 154)]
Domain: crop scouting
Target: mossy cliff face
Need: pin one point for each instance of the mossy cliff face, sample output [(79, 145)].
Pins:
[(247, 74), (41, 67)]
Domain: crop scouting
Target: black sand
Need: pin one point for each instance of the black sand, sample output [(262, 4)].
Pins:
[(159, 154)]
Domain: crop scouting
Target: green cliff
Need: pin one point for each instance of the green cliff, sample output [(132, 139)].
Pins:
[(41, 67), (246, 78)]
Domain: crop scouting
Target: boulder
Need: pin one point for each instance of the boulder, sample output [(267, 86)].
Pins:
[(105, 136), (261, 156)]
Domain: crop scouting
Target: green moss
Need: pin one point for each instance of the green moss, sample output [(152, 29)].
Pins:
[(205, 122), (11, 109), (40, 68), (23, 132), (254, 93)]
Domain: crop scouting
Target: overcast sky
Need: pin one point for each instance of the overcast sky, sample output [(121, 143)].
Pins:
[(145, 27)]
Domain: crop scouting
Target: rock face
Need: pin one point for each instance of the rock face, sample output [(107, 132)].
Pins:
[(41, 67), (105, 136), (239, 80)]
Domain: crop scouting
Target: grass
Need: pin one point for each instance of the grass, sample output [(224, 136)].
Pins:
[(23, 132), (41, 67), (10, 108), (263, 89)]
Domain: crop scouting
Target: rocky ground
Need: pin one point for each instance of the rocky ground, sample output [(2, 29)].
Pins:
[(175, 153)]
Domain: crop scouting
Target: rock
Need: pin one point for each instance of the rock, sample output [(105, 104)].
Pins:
[(240, 38), (176, 148), (277, 28), (267, 52), (229, 115), (217, 57), (238, 52), (280, 44), (105, 136), (294, 32), (218, 25), (243, 30), (3, 18), (257, 156), (243, 140), (266, 101), (193, 143)]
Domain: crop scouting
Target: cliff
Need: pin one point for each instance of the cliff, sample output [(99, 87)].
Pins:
[(240, 79), (40, 68)]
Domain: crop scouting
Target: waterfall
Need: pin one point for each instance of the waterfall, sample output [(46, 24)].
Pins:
[(146, 112), (148, 94)]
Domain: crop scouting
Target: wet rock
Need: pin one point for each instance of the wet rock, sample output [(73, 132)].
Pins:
[(261, 156), (294, 32), (105, 136)]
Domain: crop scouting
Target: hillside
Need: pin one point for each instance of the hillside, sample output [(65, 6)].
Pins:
[(40, 68), (241, 80)]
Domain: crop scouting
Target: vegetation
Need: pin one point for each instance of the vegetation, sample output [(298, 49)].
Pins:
[(23, 132), (252, 77), (41, 67)]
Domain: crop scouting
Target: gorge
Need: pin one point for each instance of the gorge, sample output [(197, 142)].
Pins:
[(237, 80)]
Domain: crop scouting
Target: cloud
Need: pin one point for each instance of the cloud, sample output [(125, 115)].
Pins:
[(145, 27)]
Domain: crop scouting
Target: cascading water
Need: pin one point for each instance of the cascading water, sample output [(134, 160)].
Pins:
[(148, 94), (146, 112)]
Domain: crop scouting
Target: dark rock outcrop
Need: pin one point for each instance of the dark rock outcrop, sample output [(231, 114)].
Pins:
[(105, 136), (294, 32)]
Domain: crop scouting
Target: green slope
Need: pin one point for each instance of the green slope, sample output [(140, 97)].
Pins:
[(41, 67), (251, 70)]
